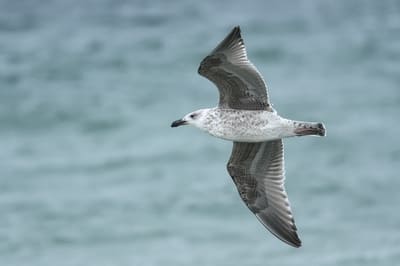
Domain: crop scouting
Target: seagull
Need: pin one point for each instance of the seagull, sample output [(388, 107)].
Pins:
[(245, 116)]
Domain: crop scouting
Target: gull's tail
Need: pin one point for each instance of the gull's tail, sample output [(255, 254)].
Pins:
[(308, 128)]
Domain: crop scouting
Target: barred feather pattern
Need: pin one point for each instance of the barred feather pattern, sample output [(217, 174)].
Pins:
[(240, 84), (257, 170)]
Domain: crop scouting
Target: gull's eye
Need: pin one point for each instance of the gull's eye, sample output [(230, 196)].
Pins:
[(192, 116)]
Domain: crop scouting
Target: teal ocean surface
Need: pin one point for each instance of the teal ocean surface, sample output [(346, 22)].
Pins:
[(92, 174)]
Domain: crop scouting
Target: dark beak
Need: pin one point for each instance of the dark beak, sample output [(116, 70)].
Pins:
[(178, 123)]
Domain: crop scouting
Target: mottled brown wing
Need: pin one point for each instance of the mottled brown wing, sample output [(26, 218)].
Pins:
[(257, 169), (240, 84)]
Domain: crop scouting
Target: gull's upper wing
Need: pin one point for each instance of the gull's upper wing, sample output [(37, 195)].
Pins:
[(257, 169), (240, 84)]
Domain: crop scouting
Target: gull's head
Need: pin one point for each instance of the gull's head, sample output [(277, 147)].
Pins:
[(195, 118)]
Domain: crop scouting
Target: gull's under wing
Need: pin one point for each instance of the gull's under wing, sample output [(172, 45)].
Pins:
[(257, 169)]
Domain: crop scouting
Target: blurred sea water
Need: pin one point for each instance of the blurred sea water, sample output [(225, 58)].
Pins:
[(92, 174)]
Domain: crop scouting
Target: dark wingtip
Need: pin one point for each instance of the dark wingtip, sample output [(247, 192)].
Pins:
[(277, 227), (213, 59), (236, 32), (296, 243), (292, 239), (233, 36)]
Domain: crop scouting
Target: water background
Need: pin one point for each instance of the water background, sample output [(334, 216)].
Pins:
[(92, 174)]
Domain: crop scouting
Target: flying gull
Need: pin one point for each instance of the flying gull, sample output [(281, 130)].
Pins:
[(245, 116)]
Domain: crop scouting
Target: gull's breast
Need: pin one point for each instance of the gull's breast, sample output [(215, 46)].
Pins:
[(246, 126)]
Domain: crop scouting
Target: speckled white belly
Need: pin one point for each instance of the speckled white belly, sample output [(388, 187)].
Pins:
[(247, 126)]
